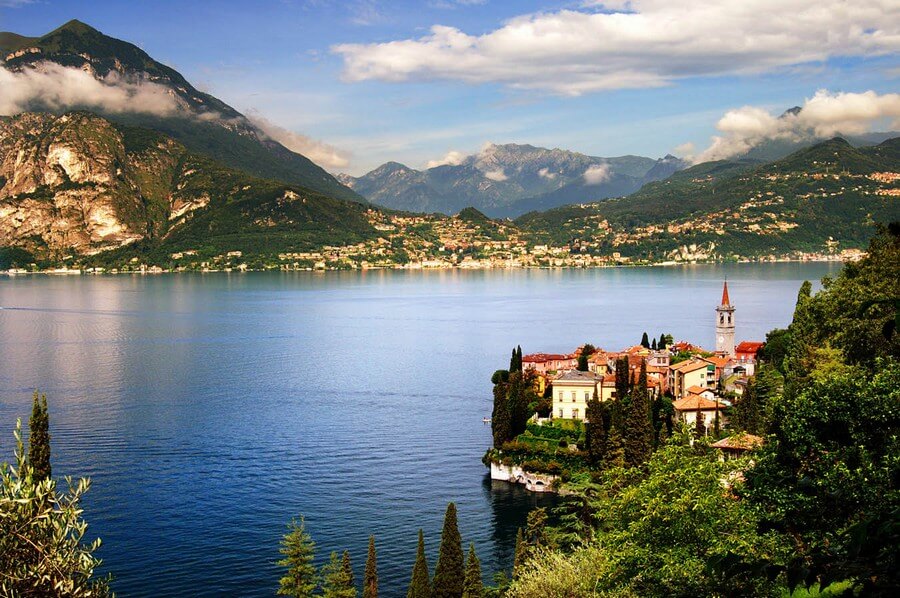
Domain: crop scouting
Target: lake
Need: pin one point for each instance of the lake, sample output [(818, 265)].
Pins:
[(209, 409)]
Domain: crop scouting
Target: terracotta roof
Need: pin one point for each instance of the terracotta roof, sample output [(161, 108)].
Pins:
[(697, 389), (719, 362), (739, 442), (542, 357), (694, 402), (725, 299), (690, 365), (749, 347)]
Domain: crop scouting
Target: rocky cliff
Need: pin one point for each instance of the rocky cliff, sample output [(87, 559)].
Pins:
[(77, 184)]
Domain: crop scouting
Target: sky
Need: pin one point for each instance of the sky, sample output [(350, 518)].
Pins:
[(376, 80)]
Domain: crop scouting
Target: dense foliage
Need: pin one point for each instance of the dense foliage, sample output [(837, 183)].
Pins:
[(42, 547)]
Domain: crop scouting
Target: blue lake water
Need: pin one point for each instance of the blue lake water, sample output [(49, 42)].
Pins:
[(210, 409)]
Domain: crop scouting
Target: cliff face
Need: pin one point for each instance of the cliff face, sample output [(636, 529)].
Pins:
[(69, 185)]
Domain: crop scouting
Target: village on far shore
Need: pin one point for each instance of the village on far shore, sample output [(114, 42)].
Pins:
[(700, 383)]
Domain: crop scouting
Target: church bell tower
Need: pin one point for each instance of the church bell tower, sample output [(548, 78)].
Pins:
[(725, 325)]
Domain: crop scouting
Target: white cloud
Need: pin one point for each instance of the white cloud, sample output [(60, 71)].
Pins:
[(453, 158), (596, 174), (545, 173), (824, 115), (56, 87), (637, 44), (685, 150), (496, 175), (325, 155)]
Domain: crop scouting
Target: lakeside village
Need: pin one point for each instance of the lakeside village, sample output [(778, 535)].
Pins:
[(557, 415)]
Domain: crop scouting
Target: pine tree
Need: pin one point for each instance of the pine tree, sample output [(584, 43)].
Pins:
[(473, 586), (645, 341), (39, 439), (638, 427), (300, 580), (370, 581), (337, 577), (449, 572), (521, 554), (595, 430), (420, 585), (536, 528)]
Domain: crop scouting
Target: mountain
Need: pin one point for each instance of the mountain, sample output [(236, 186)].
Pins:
[(824, 197), (79, 185), (509, 180), (203, 123)]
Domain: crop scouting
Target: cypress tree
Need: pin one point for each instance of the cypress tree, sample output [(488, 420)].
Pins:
[(420, 585), (473, 586), (501, 426), (519, 357), (638, 427), (653, 345), (39, 438), (449, 573), (521, 554), (536, 528), (300, 580), (621, 378), (645, 341), (595, 430), (517, 404), (662, 342), (716, 426), (370, 581), (582, 362)]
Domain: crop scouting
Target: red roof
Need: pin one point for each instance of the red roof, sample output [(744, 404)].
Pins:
[(725, 299), (739, 442), (693, 402), (749, 347), (543, 357)]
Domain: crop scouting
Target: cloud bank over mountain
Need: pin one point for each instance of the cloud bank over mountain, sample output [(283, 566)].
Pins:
[(635, 44), (826, 114)]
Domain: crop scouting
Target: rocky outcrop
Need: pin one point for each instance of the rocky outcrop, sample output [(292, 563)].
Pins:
[(69, 186)]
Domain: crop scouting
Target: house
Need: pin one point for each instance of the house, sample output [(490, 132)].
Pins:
[(688, 408), (549, 362), (571, 393), (706, 393), (737, 445), (693, 372), (607, 387), (746, 355), (721, 363)]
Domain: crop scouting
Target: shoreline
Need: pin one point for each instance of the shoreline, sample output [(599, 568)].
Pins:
[(416, 268)]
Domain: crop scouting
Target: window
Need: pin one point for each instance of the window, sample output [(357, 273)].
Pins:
[(560, 413), (560, 396), (573, 396), (574, 413), (587, 396)]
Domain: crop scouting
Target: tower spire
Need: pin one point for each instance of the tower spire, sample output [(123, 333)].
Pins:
[(725, 299)]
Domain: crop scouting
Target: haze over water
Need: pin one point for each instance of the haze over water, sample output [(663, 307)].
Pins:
[(209, 409)]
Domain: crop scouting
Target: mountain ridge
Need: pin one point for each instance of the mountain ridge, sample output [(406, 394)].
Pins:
[(206, 125)]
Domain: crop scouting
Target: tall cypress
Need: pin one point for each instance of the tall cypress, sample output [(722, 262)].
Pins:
[(621, 378), (662, 342), (39, 438), (520, 555), (370, 581), (449, 572), (473, 586), (638, 427), (653, 345), (595, 430), (501, 426), (645, 341), (420, 584)]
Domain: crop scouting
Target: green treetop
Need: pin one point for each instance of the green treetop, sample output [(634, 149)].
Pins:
[(420, 585), (449, 572), (39, 439), (370, 580), (473, 586), (638, 434), (298, 549), (337, 577)]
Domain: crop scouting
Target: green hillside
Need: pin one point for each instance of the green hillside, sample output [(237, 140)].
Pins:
[(816, 196)]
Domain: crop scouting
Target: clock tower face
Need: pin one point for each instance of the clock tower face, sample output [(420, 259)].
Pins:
[(721, 339)]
